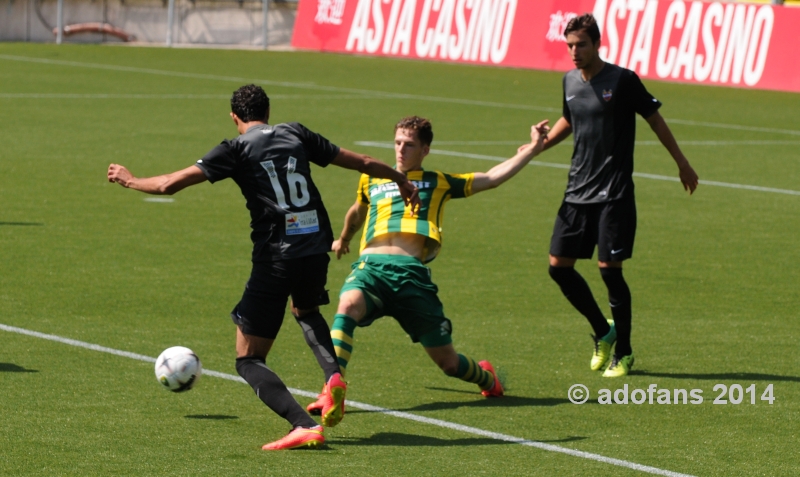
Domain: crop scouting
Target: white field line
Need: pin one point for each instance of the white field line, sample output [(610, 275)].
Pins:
[(385, 145), (638, 143), (170, 96), (164, 200), (373, 93), (371, 408)]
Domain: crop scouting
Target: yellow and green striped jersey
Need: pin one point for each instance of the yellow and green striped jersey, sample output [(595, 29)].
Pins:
[(388, 214)]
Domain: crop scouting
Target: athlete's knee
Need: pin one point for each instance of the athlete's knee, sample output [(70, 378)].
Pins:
[(562, 262), (352, 304)]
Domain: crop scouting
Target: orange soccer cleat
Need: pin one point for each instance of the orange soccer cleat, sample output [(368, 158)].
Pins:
[(299, 438), (497, 387), (333, 401), (315, 408)]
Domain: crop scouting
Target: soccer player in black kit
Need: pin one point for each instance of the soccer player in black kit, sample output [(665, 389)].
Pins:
[(291, 239), (600, 104)]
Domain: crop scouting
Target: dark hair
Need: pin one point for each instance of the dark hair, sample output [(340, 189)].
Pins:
[(250, 103), (584, 22), (421, 125)]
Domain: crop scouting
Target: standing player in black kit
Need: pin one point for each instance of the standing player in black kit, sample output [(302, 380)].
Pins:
[(601, 101), (291, 239)]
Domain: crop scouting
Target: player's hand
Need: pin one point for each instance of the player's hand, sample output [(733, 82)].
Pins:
[(410, 195), (539, 132), (689, 178), (341, 247), (119, 174)]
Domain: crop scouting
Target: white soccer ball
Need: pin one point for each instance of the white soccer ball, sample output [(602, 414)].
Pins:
[(178, 369)]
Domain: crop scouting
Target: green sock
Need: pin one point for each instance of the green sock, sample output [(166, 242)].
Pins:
[(469, 371), (342, 335), (611, 336)]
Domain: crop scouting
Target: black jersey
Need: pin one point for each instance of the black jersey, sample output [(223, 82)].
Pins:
[(271, 165), (602, 113)]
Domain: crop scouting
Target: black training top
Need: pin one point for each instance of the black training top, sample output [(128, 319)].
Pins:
[(602, 113), (270, 164)]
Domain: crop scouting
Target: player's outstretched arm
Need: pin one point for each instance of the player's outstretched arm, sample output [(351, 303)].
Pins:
[(510, 167), (166, 184), (560, 131), (353, 220), (375, 168), (688, 176)]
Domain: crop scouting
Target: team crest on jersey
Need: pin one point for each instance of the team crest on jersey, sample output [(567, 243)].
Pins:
[(607, 95)]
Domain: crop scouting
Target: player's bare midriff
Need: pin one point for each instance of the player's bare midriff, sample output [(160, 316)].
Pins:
[(397, 243)]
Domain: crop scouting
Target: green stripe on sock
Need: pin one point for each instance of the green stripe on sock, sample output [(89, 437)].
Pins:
[(342, 336), (343, 345), (469, 371)]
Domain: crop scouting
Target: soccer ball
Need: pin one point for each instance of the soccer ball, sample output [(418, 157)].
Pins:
[(178, 369)]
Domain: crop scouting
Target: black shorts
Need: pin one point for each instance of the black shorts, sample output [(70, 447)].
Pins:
[(609, 225), (263, 305)]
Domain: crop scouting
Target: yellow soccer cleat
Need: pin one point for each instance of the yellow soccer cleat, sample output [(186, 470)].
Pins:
[(601, 355), (620, 366)]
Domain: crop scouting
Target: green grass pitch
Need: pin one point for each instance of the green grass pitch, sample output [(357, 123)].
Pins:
[(714, 276)]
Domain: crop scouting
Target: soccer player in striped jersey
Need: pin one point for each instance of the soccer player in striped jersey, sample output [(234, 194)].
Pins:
[(390, 277)]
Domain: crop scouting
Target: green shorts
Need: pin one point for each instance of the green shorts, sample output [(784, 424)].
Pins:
[(400, 286)]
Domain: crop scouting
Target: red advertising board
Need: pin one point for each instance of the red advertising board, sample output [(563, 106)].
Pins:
[(731, 44)]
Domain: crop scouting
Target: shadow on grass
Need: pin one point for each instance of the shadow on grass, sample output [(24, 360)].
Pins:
[(213, 417), (13, 368), (37, 224), (413, 440), (505, 401), (719, 376)]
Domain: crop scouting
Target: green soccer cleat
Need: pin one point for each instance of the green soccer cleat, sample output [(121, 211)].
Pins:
[(620, 366), (299, 438), (601, 355)]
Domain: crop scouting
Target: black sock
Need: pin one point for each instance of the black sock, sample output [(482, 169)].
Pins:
[(619, 297), (318, 337), (270, 389), (577, 291)]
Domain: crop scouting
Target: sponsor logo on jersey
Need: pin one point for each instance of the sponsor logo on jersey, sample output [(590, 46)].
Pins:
[(390, 189), (302, 223)]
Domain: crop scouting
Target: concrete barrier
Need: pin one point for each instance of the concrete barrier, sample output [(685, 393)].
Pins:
[(224, 23)]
